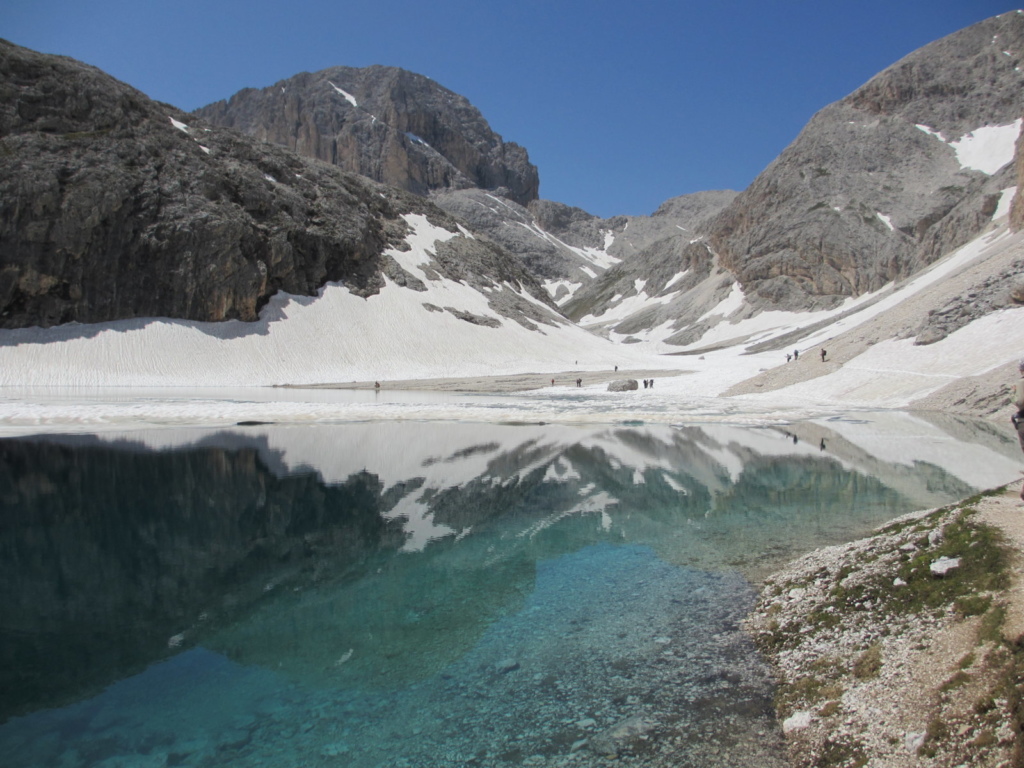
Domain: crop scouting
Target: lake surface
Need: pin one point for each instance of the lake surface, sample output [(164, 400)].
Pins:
[(426, 594)]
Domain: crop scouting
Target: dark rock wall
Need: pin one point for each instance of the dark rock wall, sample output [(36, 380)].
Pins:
[(113, 206), (108, 211)]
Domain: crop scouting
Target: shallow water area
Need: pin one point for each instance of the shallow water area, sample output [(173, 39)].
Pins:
[(426, 593), (27, 410)]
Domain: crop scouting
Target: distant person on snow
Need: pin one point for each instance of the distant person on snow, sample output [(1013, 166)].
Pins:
[(823, 353), (796, 354), (788, 357), (1018, 402)]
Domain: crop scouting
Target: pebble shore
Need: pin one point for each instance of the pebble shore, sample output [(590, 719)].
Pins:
[(887, 656)]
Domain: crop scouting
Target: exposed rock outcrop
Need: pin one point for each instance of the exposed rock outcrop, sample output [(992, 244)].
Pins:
[(392, 125), (874, 187), (572, 250), (1017, 211), (113, 206)]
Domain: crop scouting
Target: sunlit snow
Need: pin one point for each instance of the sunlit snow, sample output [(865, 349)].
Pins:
[(1005, 201), (348, 96), (676, 278), (985, 149), (728, 305)]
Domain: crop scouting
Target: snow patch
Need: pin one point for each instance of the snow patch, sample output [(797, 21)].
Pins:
[(989, 148), (1005, 201), (179, 125), (552, 286), (625, 308), (676, 278), (348, 96), (885, 220), (728, 305), (985, 149), (422, 240)]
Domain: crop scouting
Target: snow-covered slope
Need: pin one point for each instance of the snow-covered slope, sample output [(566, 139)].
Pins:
[(448, 329)]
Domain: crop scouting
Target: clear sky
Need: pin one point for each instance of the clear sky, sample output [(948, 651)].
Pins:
[(621, 105)]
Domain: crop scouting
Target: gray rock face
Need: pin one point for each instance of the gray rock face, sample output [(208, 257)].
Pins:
[(558, 242), (863, 196), (113, 206), (394, 126), (999, 291), (678, 272), (1017, 212)]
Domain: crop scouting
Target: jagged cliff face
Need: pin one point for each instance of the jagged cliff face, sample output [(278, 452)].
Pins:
[(394, 126), (113, 206), (110, 211), (874, 187), (570, 249)]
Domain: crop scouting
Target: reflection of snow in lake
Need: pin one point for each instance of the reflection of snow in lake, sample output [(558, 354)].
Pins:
[(554, 580)]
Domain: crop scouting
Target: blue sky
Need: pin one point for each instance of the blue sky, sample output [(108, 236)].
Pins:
[(620, 104)]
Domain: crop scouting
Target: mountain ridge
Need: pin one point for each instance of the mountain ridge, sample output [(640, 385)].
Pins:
[(392, 125), (112, 207)]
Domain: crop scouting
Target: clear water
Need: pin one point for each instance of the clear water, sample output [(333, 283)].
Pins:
[(417, 594)]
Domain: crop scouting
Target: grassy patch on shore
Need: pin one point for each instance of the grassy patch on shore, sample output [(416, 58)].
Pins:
[(888, 584), (911, 587)]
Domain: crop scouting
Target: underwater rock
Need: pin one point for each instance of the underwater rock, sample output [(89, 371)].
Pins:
[(615, 738)]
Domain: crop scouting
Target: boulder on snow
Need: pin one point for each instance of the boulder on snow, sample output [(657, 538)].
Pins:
[(623, 385)]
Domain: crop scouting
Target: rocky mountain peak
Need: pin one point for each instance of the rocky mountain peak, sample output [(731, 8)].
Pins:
[(114, 206), (395, 126), (886, 180)]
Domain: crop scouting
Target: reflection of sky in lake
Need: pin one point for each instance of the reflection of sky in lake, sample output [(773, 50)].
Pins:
[(361, 593)]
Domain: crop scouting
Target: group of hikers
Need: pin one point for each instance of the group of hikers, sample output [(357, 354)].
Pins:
[(796, 355)]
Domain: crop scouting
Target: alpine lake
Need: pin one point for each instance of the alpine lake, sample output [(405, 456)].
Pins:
[(407, 594)]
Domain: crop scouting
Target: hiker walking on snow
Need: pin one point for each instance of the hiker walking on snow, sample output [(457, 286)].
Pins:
[(796, 354), (823, 353)]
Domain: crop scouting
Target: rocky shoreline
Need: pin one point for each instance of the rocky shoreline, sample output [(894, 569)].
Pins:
[(903, 648)]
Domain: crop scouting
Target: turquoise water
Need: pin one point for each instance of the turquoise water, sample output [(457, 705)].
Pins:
[(411, 595)]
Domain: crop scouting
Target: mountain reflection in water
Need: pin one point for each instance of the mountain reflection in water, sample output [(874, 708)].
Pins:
[(395, 566)]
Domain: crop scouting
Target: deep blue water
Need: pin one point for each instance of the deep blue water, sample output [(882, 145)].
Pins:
[(412, 595)]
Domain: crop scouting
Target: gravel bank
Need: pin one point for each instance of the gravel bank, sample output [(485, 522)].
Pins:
[(883, 662)]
